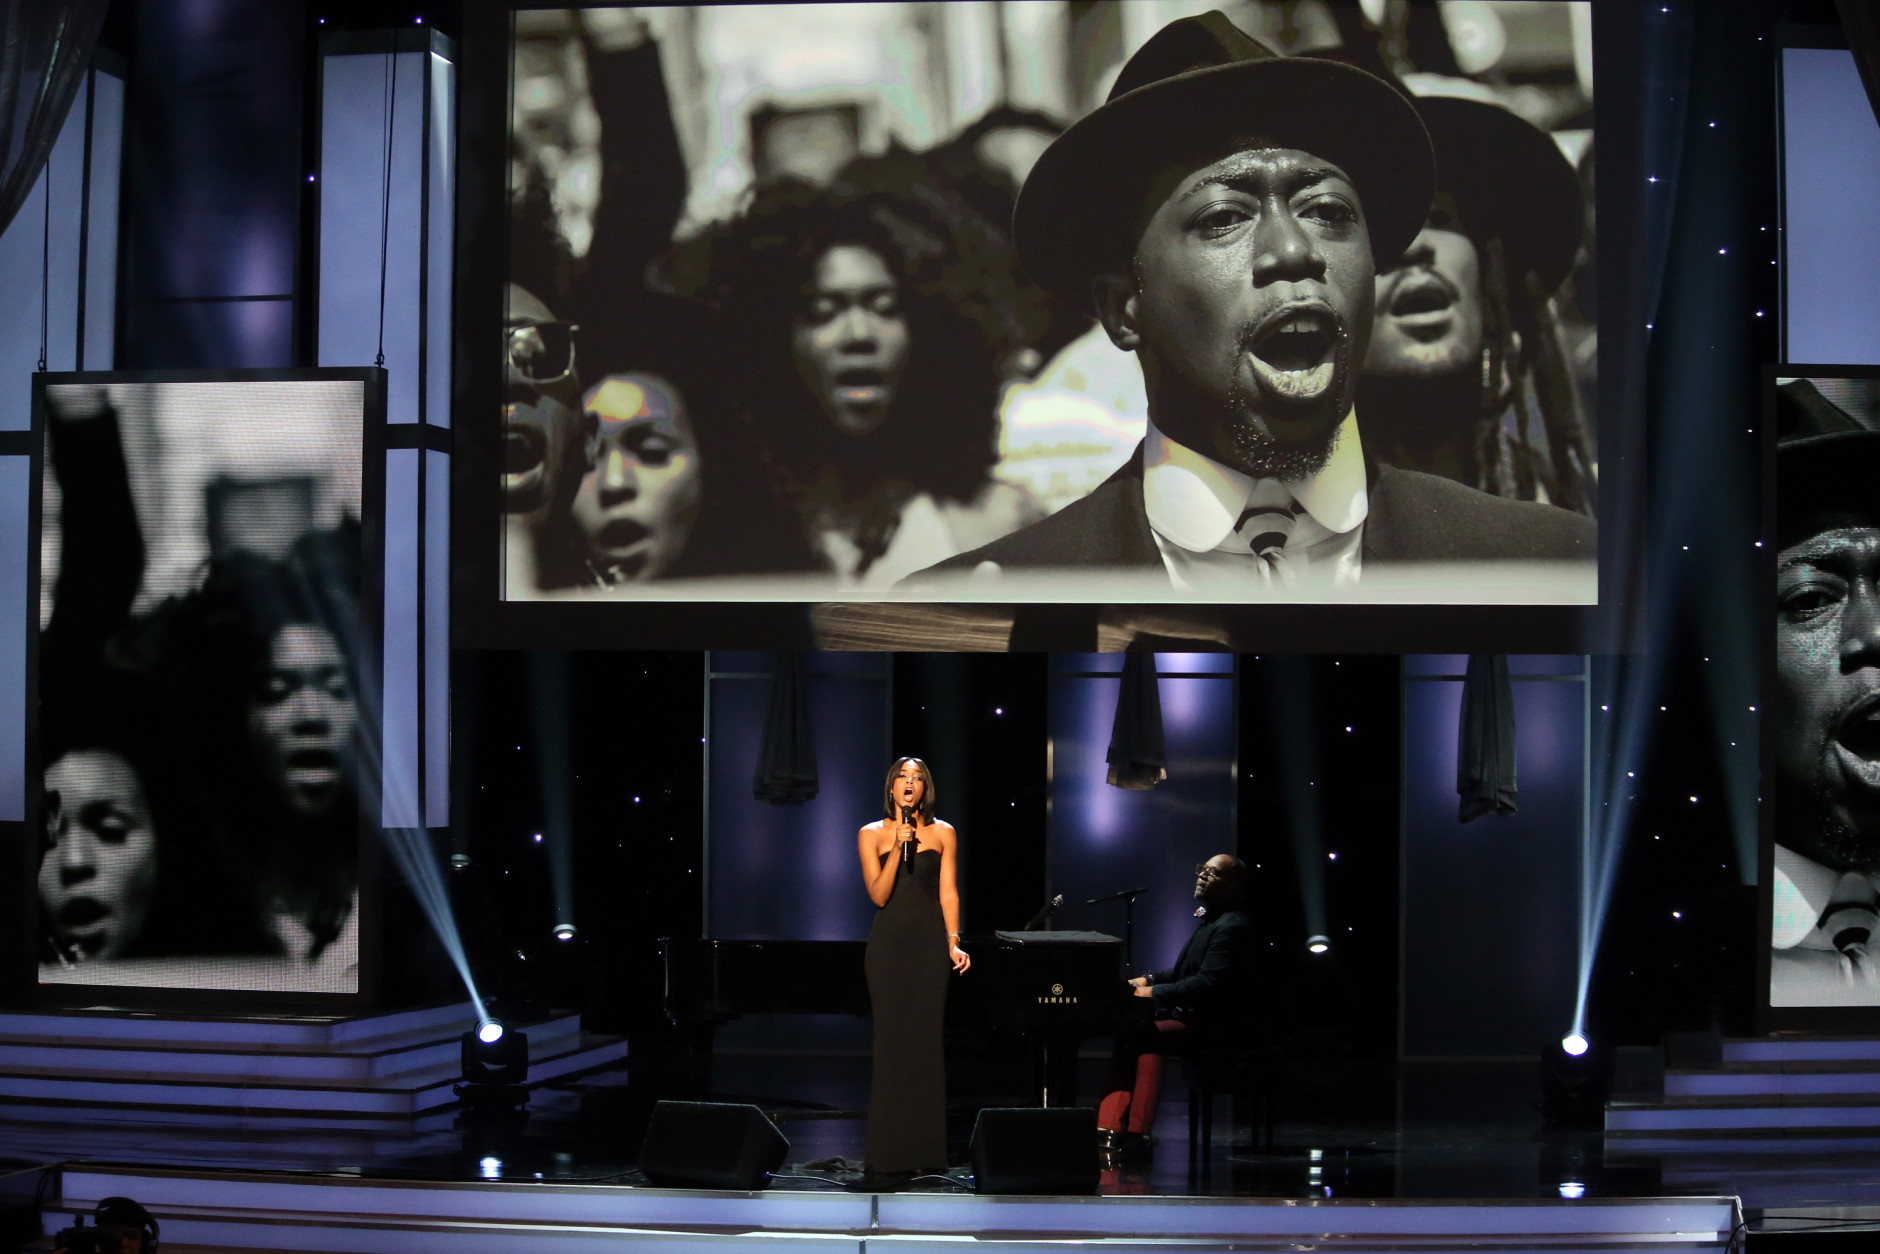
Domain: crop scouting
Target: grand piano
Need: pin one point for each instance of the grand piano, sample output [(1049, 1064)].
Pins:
[(1051, 990)]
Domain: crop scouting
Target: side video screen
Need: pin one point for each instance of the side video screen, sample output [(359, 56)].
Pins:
[(201, 696)]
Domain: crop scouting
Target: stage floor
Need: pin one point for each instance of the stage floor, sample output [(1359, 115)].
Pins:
[(1344, 1130)]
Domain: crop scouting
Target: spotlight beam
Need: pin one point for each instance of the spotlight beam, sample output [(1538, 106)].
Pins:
[(550, 710), (410, 847), (1295, 712)]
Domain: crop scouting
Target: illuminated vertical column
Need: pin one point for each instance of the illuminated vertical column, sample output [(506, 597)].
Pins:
[(387, 188), (73, 271)]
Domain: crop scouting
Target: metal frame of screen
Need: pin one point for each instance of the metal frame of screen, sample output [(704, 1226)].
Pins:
[(1770, 1017), (482, 619), (371, 610)]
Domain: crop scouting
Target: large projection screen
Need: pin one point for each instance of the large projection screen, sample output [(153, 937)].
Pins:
[(206, 743), (768, 348)]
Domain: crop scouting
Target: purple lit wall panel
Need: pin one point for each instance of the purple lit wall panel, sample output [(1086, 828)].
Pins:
[(24, 256), (1831, 178), (353, 214), (399, 778), (1491, 907), (440, 227), (216, 125), (99, 327), (1104, 839), (791, 872), (436, 639)]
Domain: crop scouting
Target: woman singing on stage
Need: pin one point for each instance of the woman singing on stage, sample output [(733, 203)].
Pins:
[(908, 862)]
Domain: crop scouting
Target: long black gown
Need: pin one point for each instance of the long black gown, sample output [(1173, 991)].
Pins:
[(907, 983)]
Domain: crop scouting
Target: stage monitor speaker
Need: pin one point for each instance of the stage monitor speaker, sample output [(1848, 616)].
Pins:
[(711, 1145), (1030, 1149)]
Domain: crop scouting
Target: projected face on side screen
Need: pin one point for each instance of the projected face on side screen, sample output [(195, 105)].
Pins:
[(301, 719), (99, 873), (1828, 697), (850, 338), (1429, 308), (636, 506)]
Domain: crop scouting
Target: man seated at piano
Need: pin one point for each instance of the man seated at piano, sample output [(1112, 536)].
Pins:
[(1201, 1001)]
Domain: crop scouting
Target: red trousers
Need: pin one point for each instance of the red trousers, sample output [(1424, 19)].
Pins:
[(1136, 1073)]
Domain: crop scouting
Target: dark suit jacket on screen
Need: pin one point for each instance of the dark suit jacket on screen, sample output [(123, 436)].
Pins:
[(1413, 517)]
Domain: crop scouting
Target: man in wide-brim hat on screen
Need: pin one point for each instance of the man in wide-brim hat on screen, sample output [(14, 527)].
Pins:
[(1224, 214), (1466, 349), (1825, 921)]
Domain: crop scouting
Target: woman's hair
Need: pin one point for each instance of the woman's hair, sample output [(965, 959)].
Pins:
[(925, 809), (217, 646), (197, 908), (941, 432)]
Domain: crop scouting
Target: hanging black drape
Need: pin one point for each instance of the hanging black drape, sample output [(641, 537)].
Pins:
[(1138, 754), (1485, 743), (1860, 22), (786, 756), (44, 48)]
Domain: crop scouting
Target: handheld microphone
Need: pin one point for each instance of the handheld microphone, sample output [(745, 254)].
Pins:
[(907, 846)]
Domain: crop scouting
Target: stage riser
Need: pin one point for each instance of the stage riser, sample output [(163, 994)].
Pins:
[(1784, 1090), (496, 1239), (358, 1035), (1802, 1050), (413, 1094), (1743, 1119), (1787, 1145), (1861, 1085), (304, 1068), (247, 1211)]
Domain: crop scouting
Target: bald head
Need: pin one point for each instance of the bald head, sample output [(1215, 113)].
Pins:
[(1220, 880)]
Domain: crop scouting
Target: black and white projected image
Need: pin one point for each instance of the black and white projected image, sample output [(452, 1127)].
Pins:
[(783, 327), (1825, 722), (199, 697)]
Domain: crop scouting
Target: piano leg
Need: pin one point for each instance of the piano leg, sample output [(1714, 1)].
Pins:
[(1054, 1066)]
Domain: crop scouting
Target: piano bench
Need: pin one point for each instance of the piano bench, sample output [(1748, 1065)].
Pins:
[(1252, 1072)]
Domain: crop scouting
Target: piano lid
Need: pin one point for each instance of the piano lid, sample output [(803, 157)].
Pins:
[(1058, 938)]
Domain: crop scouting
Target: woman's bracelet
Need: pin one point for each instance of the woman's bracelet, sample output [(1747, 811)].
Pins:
[(953, 935)]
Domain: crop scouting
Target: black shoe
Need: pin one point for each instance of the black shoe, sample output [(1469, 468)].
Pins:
[(1137, 1148)]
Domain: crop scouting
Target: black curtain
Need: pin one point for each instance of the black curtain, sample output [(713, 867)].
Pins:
[(786, 757), (1860, 22), (1138, 754), (1485, 743), (45, 46)]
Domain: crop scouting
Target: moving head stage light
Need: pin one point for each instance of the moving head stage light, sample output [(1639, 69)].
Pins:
[(495, 1066)]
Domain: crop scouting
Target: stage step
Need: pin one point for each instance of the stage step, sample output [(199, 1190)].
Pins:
[(366, 1068), (1789, 1086), (255, 1211)]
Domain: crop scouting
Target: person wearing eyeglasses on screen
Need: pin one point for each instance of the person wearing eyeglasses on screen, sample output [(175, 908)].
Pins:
[(1201, 997), (547, 436)]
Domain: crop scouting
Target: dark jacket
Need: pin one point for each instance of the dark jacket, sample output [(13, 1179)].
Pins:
[(1211, 981), (1413, 517)]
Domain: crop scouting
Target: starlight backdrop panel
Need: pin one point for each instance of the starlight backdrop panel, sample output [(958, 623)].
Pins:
[(206, 738), (794, 363)]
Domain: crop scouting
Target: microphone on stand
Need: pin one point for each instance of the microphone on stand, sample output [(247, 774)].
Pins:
[(1046, 911), (907, 846)]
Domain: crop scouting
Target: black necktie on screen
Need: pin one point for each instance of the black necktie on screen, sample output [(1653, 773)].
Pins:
[(1264, 529)]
